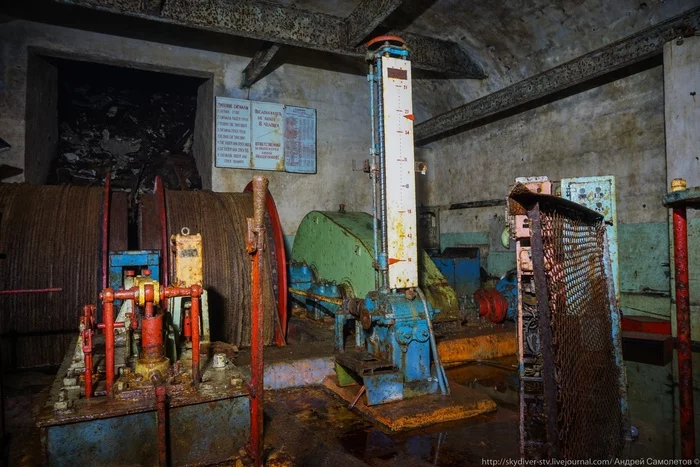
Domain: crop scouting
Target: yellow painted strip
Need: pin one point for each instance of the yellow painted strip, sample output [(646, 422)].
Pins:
[(481, 347)]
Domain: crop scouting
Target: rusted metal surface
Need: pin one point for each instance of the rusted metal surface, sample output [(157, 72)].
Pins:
[(532, 422), (87, 330), (579, 331), (255, 246), (285, 25), (257, 64), (47, 233), (477, 344), (162, 411), (628, 51), (188, 258), (366, 17), (419, 411), (685, 353), (205, 426), (278, 258), (545, 319), (221, 220)]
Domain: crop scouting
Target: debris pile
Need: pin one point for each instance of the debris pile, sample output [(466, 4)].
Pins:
[(133, 123)]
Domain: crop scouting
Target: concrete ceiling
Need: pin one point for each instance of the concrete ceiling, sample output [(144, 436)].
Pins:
[(511, 39), (515, 39)]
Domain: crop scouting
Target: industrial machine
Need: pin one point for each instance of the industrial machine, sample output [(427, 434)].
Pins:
[(144, 383), (371, 278)]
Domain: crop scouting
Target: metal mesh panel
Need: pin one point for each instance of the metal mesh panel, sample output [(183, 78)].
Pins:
[(588, 400)]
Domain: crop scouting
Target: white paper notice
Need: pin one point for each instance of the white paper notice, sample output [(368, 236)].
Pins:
[(233, 133), (268, 136), (300, 140)]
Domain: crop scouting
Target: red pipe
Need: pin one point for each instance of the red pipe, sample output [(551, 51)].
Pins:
[(23, 291), (88, 375), (108, 319), (685, 354), (164, 250), (87, 321), (194, 322), (281, 263), (151, 326), (152, 337), (161, 408), (105, 231), (255, 246)]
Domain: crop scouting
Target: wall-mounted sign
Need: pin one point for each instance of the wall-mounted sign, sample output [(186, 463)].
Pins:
[(265, 136), (300, 140), (232, 133), (268, 136)]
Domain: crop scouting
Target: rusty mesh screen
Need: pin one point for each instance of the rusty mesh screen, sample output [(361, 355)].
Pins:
[(588, 401)]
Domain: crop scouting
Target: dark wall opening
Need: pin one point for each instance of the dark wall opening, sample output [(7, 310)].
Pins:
[(135, 123)]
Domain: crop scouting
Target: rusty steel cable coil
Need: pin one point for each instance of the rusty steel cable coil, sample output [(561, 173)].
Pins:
[(221, 220), (49, 237)]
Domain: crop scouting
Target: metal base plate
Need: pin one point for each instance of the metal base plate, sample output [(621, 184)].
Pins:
[(419, 411)]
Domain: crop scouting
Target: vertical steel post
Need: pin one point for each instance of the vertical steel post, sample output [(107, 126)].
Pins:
[(162, 412), (383, 260), (545, 319), (371, 77), (255, 246), (685, 354), (107, 297)]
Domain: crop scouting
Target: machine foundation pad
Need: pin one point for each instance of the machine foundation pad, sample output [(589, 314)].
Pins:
[(420, 411)]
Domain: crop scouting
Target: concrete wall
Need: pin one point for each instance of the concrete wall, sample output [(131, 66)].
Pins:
[(616, 129), (41, 136), (341, 100)]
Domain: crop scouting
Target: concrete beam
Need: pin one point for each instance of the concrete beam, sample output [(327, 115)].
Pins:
[(613, 57), (283, 25), (258, 63), (366, 17)]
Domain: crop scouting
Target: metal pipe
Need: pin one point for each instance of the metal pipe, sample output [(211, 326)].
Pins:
[(108, 320), (256, 245), (382, 180), (439, 369), (162, 411), (373, 173), (685, 354), (164, 250), (105, 232), (478, 204), (29, 291), (88, 375), (86, 335), (196, 292), (320, 298)]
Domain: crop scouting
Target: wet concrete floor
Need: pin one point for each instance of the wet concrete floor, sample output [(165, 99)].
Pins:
[(311, 426)]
